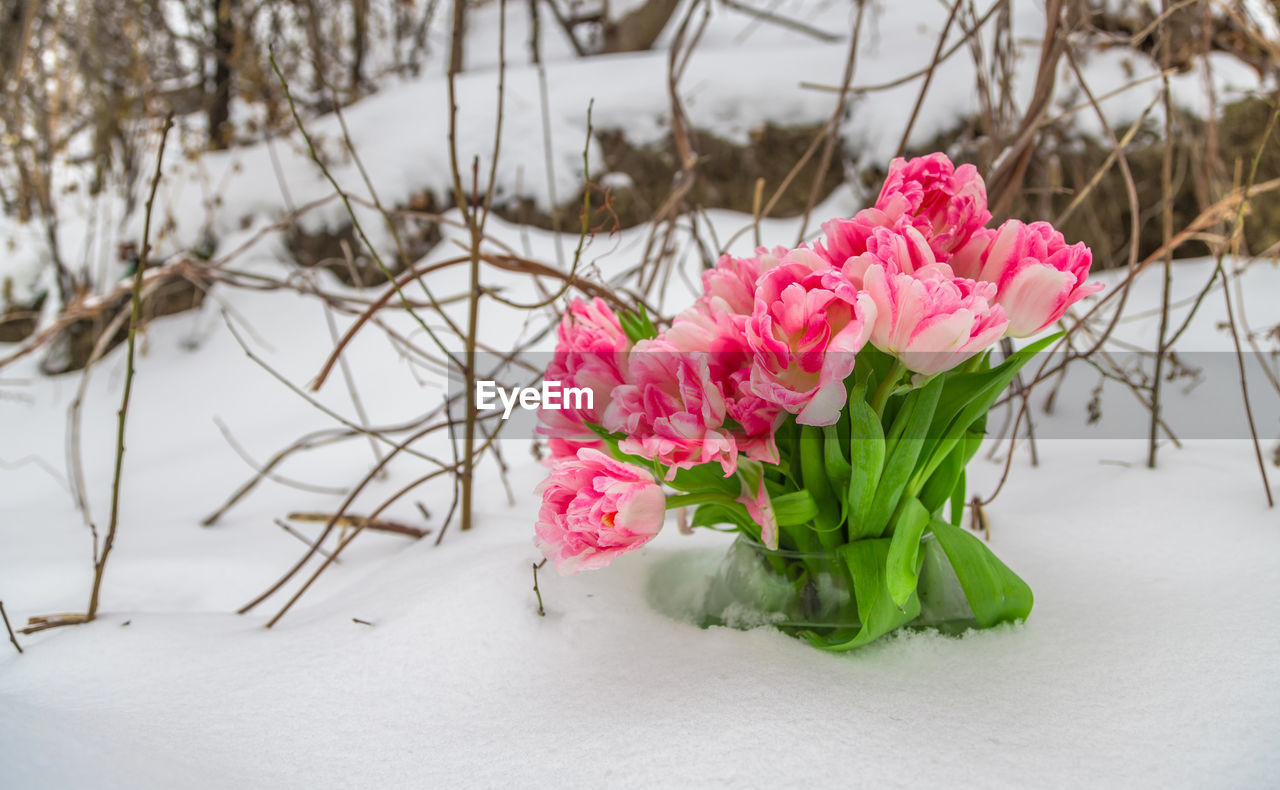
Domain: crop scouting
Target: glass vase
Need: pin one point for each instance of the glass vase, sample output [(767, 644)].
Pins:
[(751, 586)]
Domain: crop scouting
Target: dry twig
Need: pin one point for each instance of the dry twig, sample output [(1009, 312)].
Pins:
[(135, 318), (536, 567), (14, 639)]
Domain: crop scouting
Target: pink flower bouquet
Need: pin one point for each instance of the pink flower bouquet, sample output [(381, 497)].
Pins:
[(821, 402)]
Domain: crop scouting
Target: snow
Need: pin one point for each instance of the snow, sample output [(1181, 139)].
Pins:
[(1145, 663), (743, 75), (1149, 659), (1208, 401)]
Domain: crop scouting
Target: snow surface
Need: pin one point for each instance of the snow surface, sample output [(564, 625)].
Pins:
[(744, 74), (1149, 659)]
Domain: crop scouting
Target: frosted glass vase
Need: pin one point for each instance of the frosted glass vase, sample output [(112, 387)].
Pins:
[(751, 586)]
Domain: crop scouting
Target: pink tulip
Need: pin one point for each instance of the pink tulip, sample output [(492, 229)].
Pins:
[(948, 204), (731, 285), (760, 508), (804, 334), (932, 323), (671, 410), (721, 338), (902, 250), (595, 508), (1036, 274), (847, 238), (719, 334), (758, 419), (591, 352)]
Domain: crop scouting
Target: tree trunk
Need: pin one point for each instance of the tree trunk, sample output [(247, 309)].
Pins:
[(12, 30), (359, 42), (224, 40)]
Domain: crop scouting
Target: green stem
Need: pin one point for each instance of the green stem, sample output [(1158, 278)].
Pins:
[(833, 539), (887, 386), (803, 538)]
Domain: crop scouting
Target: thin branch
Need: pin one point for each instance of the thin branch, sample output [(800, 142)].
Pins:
[(833, 125), (1105, 167), (536, 567), (386, 217), (1244, 386), (18, 647), (1237, 231), (309, 441), (781, 21), (377, 525), (457, 484), (1012, 163), (135, 318), (46, 622), (317, 404), (402, 279), (665, 219), (355, 533), (928, 78), (1166, 194), (265, 472), (75, 462), (904, 79), (346, 201), (295, 533), (350, 380), (346, 503)]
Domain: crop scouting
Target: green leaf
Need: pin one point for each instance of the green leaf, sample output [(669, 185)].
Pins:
[(866, 463), (794, 509), (787, 437), (969, 396), (957, 500), (839, 471), (966, 399), (609, 438), (611, 441), (713, 514), (814, 471), (917, 413), (938, 487), (968, 448), (876, 610), (874, 363), (973, 438), (636, 325), (842, 424), (902, 567), (706, 477), (838, 468), (995, 593)]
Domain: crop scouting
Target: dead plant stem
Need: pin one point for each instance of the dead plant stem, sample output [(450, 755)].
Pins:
[(135, 318), (833, 126), (928, 78), (14, 639), (1166, 295)]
